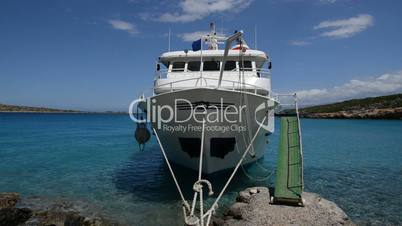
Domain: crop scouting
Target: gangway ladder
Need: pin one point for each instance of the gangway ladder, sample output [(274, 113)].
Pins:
[(289, 182)]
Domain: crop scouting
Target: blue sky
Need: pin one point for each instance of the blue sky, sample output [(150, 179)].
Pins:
[(99, 55)]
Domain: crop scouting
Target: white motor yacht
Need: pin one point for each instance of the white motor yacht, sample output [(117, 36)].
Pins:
[(214, 100)]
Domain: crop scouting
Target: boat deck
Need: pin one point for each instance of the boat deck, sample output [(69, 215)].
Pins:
[(289, 175)]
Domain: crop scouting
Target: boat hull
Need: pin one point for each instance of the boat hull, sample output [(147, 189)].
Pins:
[(232, 118)]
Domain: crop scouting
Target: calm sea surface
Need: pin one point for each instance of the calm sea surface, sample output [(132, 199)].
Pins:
[(94, 158)]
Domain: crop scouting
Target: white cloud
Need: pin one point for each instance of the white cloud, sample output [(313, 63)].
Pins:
[(298, 43), (327, 1), (345, 28), (192, 10), (381, 85), (192, 36), (124, 26)]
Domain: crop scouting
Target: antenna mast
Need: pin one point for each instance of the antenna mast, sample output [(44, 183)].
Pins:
[(222, 26), (169, 40), (213, 41), (212, 28), (255, 36)]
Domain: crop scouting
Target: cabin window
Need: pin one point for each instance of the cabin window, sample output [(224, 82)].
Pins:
[(178, 66), (194, 66), (247, 65), (212, 65), (230, 65)]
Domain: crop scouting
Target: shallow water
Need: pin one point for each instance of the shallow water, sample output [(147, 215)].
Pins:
[(94, 158)]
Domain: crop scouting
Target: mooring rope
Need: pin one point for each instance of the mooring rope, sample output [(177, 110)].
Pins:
[(200, 172), (197, 187), (185, 203)]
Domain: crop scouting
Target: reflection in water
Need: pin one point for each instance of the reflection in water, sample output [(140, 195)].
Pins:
[(147, 176)]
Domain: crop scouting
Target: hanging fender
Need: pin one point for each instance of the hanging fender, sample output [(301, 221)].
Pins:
[(142, 135)]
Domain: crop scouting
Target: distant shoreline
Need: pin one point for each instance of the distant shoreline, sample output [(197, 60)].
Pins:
[(382, 107), (63, 112), (336, 115), (6, 108), (376, 113)]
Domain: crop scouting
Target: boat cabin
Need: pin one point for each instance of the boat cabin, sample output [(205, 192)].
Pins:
[(245, 68), (210, 61)]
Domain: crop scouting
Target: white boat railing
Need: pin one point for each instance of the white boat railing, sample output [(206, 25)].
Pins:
[(203, 82), (260, 72)]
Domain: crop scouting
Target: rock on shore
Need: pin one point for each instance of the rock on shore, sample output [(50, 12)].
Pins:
[(253, 208), (36, 211), (8, 200)]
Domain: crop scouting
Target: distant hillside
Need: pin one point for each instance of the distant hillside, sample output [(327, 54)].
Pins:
[(383, 107), (14, 108)]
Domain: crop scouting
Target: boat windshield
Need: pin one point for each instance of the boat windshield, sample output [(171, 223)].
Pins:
[(193, 66), (246, 65), (178, 66), (212, 65), (230, 65)]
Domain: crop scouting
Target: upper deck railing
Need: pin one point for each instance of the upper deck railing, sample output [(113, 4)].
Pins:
[(211, 83), (259, 72)]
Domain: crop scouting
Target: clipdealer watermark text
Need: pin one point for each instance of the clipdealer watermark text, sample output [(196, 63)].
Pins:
[(198, 128), (182, 115)]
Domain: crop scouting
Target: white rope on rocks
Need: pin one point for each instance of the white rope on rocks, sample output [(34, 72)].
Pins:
[(197, 188), (189, 217)]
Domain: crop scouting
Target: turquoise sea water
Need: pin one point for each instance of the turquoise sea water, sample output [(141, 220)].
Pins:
[(94, 158)]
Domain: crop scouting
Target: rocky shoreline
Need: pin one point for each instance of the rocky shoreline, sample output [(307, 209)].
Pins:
[(37, 211), (253, 208), (382, 113), (26, 109)]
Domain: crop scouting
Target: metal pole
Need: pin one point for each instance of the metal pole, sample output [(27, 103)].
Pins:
[(255, 36), (169, 40), (227, 46), (201, 151), (201, 63)]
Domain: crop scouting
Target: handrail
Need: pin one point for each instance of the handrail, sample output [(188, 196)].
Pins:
[(295, 104), (178, 69), (259, 72), (300, 140), (228, 42), (206, 84)]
